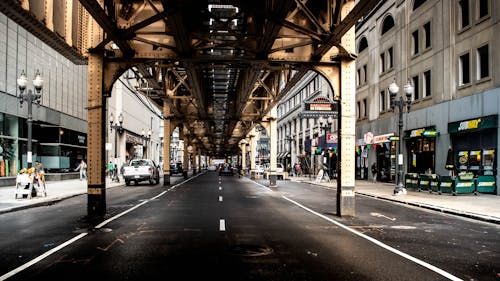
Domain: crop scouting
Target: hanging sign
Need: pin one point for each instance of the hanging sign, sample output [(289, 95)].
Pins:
[(320, 107)]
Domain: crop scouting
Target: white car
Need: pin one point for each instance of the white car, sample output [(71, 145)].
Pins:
[(279, 167)]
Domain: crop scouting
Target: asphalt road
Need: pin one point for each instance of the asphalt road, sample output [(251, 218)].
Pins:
[(230, 228)]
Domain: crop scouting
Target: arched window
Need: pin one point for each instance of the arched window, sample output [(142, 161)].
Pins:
[(418, 3), (387, 24), (363, 44)]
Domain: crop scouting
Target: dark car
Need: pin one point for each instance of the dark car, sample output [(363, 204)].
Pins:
[(225, 169), (176, 168)]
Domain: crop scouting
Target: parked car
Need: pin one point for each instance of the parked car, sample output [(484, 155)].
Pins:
[(141, 170), (176, 168)]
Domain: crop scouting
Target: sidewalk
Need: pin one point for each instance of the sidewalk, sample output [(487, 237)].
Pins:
[(56, 191), (485, 207)]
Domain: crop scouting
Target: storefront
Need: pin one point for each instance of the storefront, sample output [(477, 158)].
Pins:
[(361, 160), (385, 151), (421, 150), (474, 145)]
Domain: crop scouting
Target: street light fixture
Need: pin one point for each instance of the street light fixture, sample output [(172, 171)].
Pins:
[(147, 137), (30, 97), (326, 125), (117, 126), (401, 104)]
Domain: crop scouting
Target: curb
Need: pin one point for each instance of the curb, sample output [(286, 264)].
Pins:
[(39, 204), (474, 216)]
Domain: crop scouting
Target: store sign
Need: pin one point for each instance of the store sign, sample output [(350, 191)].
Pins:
[(428, 132), (368, 138), (320, 107), (331, 138), (382, 138), (473, 124)]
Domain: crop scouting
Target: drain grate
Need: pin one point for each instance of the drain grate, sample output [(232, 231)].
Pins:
[(248, 250)]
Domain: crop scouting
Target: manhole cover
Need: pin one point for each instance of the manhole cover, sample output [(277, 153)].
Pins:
[(251, 250)]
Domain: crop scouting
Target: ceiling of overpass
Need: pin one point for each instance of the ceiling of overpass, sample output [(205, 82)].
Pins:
[(219, 65)]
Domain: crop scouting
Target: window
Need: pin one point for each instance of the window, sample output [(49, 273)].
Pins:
[(388, 24), (365, 108), (418, 3), (464, 69), (427, 91), (382, 63), (390, 59), (363, 44), (365, 79), (483, 69), (483, 8), (464, 14), (416, 90), (427, 34), (358, 80), (414, 39), (359, 109), (383, 102)]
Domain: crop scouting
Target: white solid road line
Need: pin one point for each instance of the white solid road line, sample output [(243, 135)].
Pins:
[(41, 257), (220, 198), (378, 243), (222, 225), (51, 251)]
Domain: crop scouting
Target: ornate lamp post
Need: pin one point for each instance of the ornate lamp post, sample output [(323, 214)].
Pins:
[(401, 104), (30, 97), (117, 126), (147, 137), (326, 125)]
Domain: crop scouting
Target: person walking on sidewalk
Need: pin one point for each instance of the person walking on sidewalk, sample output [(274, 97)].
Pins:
[(374, 172), (111, 169), (82, 167)]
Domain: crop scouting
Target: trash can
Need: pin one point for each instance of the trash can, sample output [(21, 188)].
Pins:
[(424, 182), (465, 183), (434, 183), (486, 184), (411, 181), (446, 184)]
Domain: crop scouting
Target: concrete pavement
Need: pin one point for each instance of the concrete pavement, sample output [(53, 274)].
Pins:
[(483, 207)]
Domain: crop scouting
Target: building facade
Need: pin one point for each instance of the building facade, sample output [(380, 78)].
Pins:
[(59, 121), (446, 51), (301, 140)]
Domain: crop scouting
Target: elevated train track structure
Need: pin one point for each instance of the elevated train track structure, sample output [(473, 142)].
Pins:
[(216, 68)]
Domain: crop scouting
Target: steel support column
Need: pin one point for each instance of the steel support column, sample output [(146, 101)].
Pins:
[(166, 145), (273, 141), (347, 126), (185, 162), (96, 189)]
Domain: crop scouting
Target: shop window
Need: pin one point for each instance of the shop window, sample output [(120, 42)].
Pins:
[(483, 70), (427, 35), (464, 69), (464, 17), (414, 42), (427, 90)]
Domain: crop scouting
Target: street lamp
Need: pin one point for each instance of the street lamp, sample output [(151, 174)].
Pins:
[(147, 137), (30, 97), (326, 125), (117, 126), (401, 104)]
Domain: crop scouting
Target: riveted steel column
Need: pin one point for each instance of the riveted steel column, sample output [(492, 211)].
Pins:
[(166, 145), (273, 141), (96, 190), (185, 163), (252, 152), (345, 190)]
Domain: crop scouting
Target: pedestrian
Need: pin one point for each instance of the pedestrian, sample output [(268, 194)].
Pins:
[(82, 167), (111, 168), (297, 170), (374, 172)]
